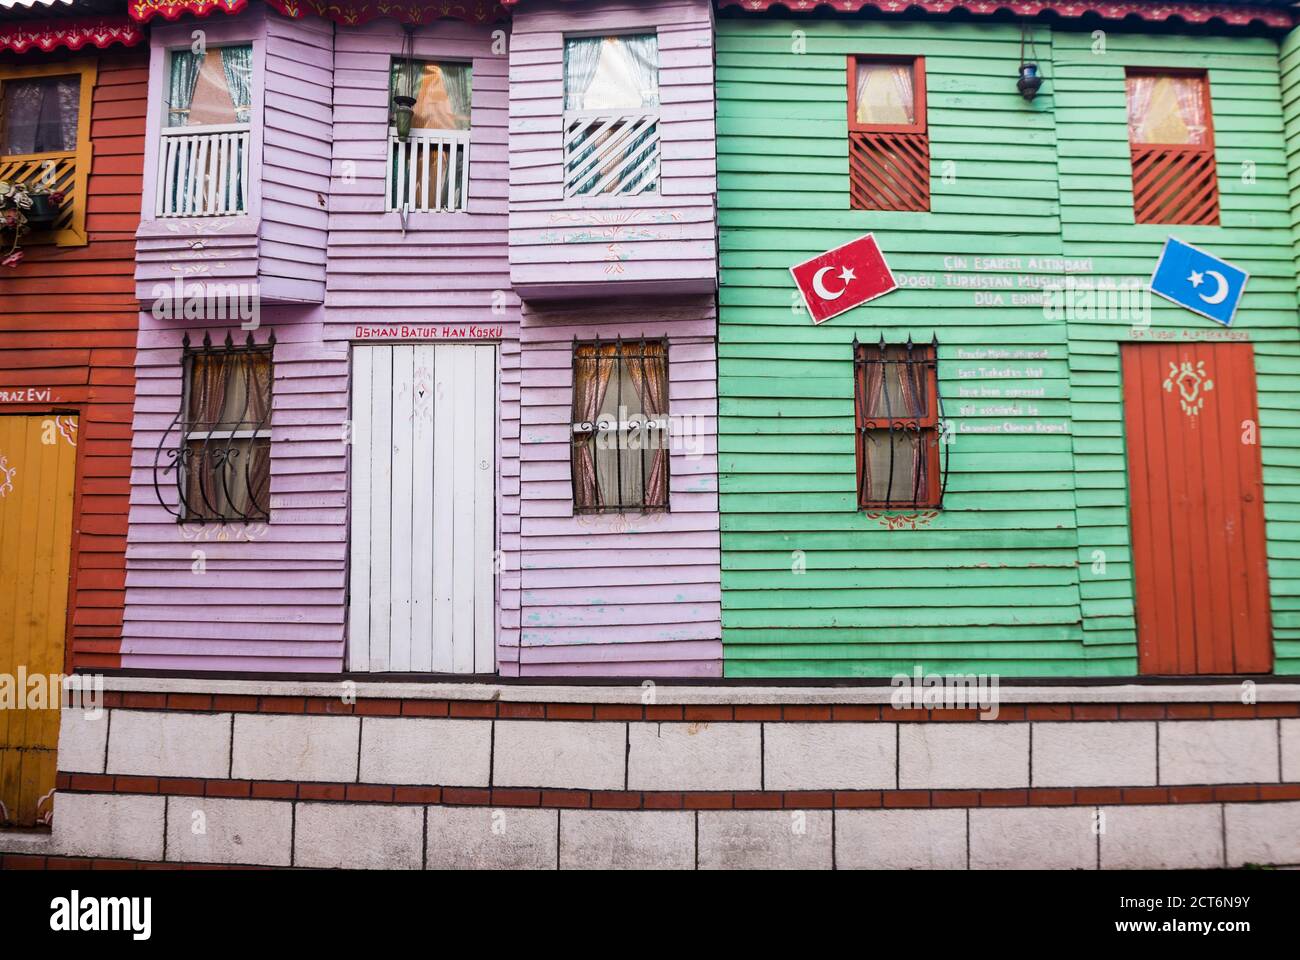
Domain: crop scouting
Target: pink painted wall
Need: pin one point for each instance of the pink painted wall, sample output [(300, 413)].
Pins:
[(631, 595), (450, 269), (267, 597), (663, 241)]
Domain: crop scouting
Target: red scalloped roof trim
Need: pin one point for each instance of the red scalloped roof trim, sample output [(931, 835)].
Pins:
[(145, 10), (1106, 9), (73, 34), (347, 12)]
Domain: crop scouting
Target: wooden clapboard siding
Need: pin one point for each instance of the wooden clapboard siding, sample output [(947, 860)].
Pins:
[(449, 270), (268, 597), (279, 243), (67, 323), (650, 242), (812, 586), (1255, 233), (1027, 570), (633, 595)]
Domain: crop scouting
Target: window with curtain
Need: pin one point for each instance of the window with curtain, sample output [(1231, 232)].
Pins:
[(611, 103), (897, 416), (39, 115), (1171, 141), (203, 166), (212, 88), (620, 426), (442, 93), (429, 171), (889, 146), (226, 452)]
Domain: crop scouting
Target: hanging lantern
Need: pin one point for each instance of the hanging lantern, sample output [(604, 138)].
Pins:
[(404, 86), (1029, 79)]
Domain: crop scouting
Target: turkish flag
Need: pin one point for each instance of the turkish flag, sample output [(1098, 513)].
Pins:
[(840, 279)]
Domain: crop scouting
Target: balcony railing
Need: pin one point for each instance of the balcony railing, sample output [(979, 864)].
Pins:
[(203, 172), (52, 172), (611, 152), (429, 172)]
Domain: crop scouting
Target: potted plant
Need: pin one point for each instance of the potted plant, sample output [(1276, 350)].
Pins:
[(22, 208), (45, 206)]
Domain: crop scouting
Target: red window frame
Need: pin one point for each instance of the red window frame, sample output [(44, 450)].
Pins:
[(1175, 183), (925, 359), (889, 163)]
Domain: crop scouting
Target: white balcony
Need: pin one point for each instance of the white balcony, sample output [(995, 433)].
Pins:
[(203, 171), (611, 152), (429, 172)]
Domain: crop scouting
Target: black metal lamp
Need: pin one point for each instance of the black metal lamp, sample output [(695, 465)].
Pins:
[(403, 107), (1029, 79)]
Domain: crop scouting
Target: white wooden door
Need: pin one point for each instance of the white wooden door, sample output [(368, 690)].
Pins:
[(423, 565)]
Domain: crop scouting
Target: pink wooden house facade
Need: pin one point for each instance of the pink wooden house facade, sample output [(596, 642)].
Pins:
[(355, 433)]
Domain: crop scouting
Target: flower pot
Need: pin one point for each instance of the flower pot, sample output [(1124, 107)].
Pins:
[(42, 211)]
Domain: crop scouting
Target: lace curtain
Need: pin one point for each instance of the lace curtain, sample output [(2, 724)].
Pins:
[(1167, 109), (885, 93)]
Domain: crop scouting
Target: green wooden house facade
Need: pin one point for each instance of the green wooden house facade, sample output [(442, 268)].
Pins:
[(1028, 567)]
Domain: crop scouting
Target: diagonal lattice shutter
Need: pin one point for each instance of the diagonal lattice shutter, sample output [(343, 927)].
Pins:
[(1174, 184), (889, 171)]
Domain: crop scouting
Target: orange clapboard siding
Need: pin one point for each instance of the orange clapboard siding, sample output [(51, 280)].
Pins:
[(1197, 508), (38, 460), (68, 322)]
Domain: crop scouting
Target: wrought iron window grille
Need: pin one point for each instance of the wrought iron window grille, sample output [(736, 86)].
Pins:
[(638, 437), (203, 455), (908, 403)]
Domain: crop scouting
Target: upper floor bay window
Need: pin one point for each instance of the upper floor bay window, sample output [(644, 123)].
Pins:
[(428, 139), (889, 146), (620, 426), (45, 146), (1171, 139), (203, 162), (611, 115)]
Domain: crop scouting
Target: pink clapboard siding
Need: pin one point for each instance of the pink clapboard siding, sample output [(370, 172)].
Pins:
[(630, 595), (653, 242), (251, 597), (449, 270), (280, 243)]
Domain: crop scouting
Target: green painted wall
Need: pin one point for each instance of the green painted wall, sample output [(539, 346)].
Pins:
[(1003, 578)]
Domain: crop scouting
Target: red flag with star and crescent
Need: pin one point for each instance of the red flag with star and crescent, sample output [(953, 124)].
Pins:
[(840, 279)]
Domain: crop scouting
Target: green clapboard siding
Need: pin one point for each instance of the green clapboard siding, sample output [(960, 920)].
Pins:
[(1026, 571)]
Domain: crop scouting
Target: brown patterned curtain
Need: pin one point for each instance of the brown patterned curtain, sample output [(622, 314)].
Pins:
[(592, 367), (649, 375)]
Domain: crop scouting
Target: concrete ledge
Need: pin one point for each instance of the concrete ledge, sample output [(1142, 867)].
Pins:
[(1281, 691)]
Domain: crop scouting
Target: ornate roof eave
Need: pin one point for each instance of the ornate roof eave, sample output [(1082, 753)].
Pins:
[(69, 33), (1188, 11), (347, 12)]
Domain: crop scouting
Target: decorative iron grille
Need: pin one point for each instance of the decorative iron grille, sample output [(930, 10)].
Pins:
[(619, 460), (217, 449), (899, 417)]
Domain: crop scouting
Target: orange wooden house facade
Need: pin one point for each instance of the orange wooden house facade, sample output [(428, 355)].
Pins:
[(68, 321)]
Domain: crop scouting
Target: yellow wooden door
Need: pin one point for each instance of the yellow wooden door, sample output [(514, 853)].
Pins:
[(38, 460)]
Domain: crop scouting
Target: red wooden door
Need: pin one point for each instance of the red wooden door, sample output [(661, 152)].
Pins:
[(1197, 508)]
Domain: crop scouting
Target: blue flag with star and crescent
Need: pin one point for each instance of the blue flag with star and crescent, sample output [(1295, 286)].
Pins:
[(1202, 283)]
